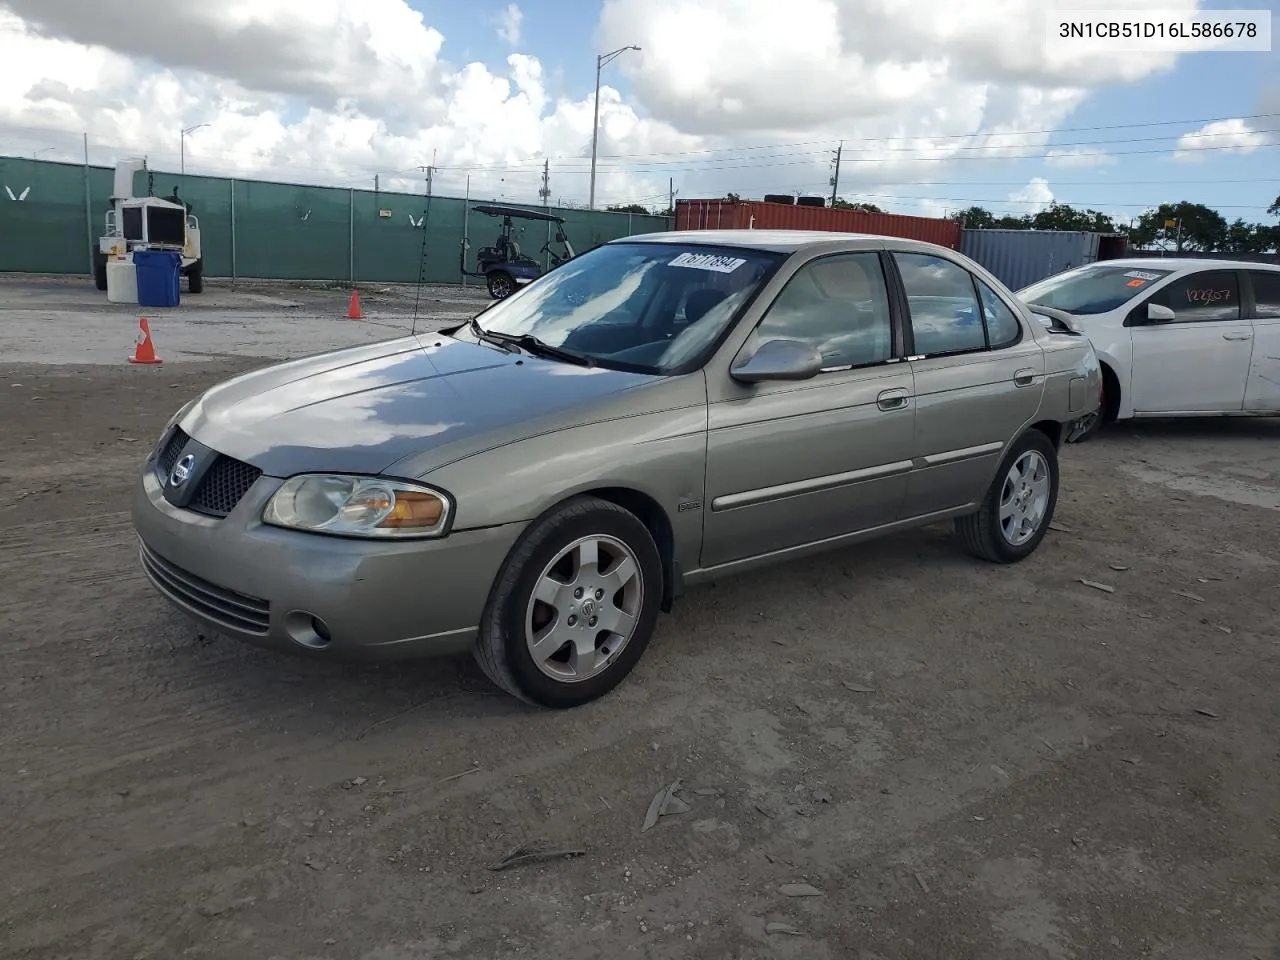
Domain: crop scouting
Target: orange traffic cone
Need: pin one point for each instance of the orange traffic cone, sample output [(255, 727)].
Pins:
[(353, 311), (145, 351)]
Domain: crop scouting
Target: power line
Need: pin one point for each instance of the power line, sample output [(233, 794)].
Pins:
[(514, 164), (673, 165), (946, 136)]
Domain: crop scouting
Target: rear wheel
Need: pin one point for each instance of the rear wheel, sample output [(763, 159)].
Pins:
[(573, 607), (501, 285), (1019, 506), (195, 277)]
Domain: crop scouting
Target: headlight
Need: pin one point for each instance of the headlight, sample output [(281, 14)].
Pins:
[(358, 507)]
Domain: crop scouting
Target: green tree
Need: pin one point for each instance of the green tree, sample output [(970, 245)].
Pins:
[(975, 218), (1274, 209), (1062, 216), (629, 208), (848, 205), (1241, 237), (1193, 226)]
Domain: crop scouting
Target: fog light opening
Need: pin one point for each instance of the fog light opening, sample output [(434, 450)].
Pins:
[(308, 630)]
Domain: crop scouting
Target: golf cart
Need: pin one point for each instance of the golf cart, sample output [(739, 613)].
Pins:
[(504, 266)]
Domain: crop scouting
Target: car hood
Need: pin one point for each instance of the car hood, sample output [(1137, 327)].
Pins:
[(362, 409)]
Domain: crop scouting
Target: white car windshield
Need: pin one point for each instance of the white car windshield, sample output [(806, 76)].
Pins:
[(648, 307), (1092, 289)]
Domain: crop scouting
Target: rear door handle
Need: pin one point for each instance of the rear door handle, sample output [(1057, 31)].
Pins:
[(894, 399), (1237, 336), (1024, 378)]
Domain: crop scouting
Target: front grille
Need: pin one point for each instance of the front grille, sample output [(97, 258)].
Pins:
[(171, 451), (233, 611), (225, 482)]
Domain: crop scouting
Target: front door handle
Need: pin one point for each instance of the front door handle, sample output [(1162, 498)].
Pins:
[(1024, 378), (1237, 336), (894, 399)]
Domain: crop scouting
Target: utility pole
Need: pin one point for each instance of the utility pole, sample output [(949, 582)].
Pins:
[(545, 193), (835, 177), (601, 60)]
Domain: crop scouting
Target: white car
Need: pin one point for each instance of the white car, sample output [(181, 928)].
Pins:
[(1176, 337)]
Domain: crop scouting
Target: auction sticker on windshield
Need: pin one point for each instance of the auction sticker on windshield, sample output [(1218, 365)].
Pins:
[(708, 261), (1142, 275)]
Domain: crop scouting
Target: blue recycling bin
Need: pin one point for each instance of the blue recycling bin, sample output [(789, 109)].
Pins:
[(159, 273)]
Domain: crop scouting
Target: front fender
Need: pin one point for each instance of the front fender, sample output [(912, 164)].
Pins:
[(661, 456), (1118, 359)]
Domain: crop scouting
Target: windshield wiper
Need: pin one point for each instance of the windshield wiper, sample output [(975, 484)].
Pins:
[(535, 345), (538, 347), (497, 339)]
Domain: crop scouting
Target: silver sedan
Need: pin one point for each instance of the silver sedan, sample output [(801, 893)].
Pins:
[(537, 484)]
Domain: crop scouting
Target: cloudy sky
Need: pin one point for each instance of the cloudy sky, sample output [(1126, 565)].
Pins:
[(940, 104)]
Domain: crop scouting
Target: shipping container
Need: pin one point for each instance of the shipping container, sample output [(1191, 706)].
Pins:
[(1019, 258), (757, 215)]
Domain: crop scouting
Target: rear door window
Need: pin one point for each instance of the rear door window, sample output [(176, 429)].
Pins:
[(1266, 293)]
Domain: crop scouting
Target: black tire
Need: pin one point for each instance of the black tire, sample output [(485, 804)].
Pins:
[(195, 277), (501, 284), (501, 648), (982, 533), (100, 270)]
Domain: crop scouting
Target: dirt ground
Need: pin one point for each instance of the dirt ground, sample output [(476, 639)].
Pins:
[(959, 760)]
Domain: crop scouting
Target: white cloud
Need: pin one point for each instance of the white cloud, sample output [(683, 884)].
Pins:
[(1223, 136), (1034, 197), (338, 90), (1078, 157), (510, 23)]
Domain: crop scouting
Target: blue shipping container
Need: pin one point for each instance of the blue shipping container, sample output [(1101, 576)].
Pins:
[(159, 273), (1021, 257)]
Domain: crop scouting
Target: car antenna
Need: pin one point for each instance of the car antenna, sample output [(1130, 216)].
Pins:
[(422, 259)]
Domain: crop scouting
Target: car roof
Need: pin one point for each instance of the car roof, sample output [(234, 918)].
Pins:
[(1186, 263), (777, 241)]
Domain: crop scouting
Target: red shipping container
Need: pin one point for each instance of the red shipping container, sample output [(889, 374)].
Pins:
[(758, 215)]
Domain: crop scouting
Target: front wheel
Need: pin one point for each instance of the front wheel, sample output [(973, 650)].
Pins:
[(195, 277), (573, 607), (1019, 506)]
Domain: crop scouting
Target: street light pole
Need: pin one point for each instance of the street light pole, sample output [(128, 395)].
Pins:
[(182, 146), (602, 59)]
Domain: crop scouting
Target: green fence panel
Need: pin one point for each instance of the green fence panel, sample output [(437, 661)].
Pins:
[(279, 231)]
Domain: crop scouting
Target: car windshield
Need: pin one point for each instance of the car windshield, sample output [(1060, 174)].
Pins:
[(1092, 289), (648, 307)]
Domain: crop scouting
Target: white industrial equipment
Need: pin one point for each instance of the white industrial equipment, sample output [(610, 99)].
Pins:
[(147, 223)]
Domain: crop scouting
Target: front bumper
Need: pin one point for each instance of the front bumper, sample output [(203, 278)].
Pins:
[(307, 592)]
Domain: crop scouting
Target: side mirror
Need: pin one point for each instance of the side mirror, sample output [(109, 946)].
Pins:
[(1158, 313), (778, 360)]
